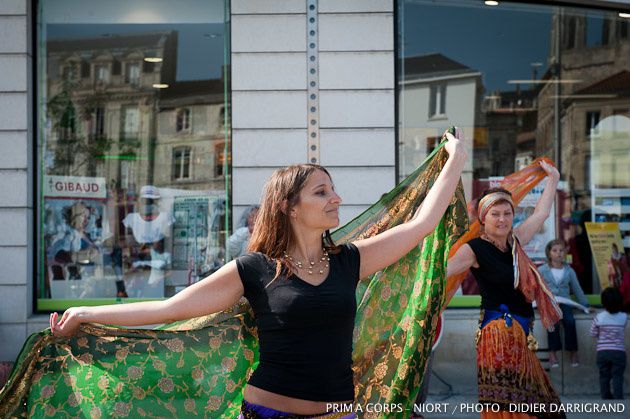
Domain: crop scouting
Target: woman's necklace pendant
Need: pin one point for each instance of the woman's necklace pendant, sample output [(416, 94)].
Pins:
[(499, 246), (311, 264)]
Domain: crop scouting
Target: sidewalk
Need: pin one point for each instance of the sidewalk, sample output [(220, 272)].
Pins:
[(465, 406)]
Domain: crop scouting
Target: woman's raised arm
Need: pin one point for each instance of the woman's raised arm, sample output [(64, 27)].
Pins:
[(217, 292), (532, 224), (386, 248)]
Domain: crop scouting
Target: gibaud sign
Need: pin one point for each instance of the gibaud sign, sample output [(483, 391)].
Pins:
[(75, 187)]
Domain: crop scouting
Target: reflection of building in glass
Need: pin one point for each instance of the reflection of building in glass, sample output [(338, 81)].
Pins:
[(436, 93), (116, 112), (509, 118), (101, 104), (594, 58), (191, 136)]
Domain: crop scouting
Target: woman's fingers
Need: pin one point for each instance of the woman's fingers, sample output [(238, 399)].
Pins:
[(549, 169), (65, 316), (59, 327), (54, 326)]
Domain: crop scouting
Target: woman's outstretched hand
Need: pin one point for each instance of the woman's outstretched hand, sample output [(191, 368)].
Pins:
[(69, 323), (455, 146), (551, 170)]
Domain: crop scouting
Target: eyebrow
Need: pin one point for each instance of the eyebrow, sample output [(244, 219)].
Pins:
[(323, 185)]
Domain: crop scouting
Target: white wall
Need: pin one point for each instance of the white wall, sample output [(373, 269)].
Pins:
[(356, 107), (16, 200)]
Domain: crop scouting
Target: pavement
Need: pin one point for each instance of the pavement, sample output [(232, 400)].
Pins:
[(578, 406)]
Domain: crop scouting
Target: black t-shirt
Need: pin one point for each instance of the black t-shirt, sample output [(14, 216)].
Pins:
[(495, 277), (304, 331)]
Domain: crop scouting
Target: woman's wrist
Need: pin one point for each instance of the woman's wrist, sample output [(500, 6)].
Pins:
[(83, 314), (459, 157)]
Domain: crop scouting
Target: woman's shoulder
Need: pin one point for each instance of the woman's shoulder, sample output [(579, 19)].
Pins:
[(254, 264), (253, 258), (475, 242), (350, 257), (347, 247), (348, 251)]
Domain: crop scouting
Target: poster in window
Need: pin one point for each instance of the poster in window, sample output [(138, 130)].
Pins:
[(608, 252)]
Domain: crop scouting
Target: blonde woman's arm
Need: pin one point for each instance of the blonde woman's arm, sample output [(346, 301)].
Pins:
[(532, 224)]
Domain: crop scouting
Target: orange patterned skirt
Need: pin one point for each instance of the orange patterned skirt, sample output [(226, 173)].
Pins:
[(510, 376)]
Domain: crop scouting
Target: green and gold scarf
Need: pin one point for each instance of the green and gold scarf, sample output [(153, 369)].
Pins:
[(198, 368)]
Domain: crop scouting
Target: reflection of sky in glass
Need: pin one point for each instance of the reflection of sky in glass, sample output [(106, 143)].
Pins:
[(199, 50), (501, 44)]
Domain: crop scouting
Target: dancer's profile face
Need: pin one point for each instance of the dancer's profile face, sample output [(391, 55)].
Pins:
[(318, 206), (499, 219)]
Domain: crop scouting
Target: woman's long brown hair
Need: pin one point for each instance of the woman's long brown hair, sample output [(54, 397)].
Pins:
[(272, 234)]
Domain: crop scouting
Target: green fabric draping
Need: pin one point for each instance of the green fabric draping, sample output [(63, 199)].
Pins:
[(200, 366)]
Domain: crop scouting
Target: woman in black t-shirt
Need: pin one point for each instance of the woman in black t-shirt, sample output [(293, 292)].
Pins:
[(300, 285), (508, 371)]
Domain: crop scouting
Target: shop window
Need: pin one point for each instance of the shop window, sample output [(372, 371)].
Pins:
[(502, 86), (181, 163), (182, 120), (110, 150), (437, 100)]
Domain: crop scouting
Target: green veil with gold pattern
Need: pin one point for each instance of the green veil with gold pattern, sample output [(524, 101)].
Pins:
[(198, 368)]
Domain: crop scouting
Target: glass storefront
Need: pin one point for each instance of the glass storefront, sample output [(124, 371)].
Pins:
[(525, 81), (133, 148)]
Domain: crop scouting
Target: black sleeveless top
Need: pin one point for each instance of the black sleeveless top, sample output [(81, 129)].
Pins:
[(304, 331), (495, 277)]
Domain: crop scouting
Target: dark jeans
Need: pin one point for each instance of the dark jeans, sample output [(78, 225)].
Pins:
[(611, 365), (570, 335)]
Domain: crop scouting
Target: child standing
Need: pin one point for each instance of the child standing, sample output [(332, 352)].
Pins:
[(562, 280), (609, 327)]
